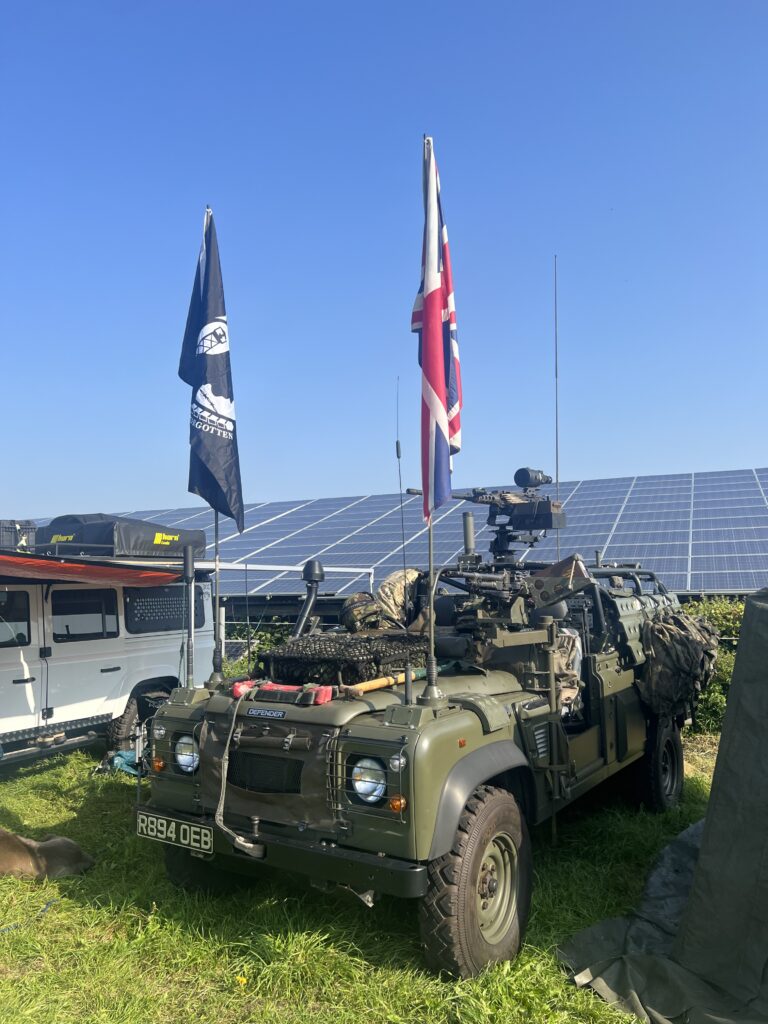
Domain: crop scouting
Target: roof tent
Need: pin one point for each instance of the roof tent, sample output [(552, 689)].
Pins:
[(101, 536)]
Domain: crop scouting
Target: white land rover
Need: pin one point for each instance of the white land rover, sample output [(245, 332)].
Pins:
[(79, 660)]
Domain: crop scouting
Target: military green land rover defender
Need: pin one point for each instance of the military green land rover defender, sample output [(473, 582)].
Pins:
[(357, 762)]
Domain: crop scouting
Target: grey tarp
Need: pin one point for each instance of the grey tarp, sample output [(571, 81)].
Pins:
[(703, 960)]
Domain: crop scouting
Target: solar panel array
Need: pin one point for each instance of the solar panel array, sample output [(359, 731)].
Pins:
[(701, 532)]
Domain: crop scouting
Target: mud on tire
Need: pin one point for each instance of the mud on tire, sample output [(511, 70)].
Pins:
[(476, 907)]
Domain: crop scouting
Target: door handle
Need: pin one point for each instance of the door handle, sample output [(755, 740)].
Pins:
[(20, 682), (112, 668)]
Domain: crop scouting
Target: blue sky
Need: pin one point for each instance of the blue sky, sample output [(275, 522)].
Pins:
[(627, 138)]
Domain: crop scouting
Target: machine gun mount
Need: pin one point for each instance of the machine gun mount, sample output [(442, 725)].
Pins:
[(517, 518)]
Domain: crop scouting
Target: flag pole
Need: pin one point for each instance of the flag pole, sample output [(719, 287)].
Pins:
[(431, 676), (189, 584), (216, 675), (432, 695), (434, 319), (214, 465)]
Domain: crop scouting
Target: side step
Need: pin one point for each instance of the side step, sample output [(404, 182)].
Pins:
[(14, 757)]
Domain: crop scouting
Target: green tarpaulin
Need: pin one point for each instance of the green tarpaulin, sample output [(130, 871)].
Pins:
[(696, 950)]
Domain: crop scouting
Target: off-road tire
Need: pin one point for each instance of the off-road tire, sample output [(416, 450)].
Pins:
[(658, 775), (195, 874), (122, 730), (491, 842)]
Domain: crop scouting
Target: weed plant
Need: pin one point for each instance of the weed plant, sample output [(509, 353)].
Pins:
[(262, 638)]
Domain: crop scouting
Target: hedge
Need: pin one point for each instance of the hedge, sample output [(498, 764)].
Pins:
[(264, 636), (725, 614)]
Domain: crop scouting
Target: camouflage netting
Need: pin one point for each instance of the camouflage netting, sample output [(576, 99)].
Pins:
[(320, 658), (681, 654)]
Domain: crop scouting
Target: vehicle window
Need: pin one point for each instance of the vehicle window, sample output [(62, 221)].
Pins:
[(14, 618), (650, 586), (160, 609), (84, 615), (617, 583)]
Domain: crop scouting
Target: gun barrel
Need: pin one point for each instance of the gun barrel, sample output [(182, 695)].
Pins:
[(479, 494)]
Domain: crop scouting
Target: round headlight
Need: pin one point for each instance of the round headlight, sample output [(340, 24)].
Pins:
[(369, 779), (398, 762), (187, 753), (158, 731)]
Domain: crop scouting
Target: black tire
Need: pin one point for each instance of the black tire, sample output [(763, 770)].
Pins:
[(476, 907), (195, 874), (659, 774), (140, 706)]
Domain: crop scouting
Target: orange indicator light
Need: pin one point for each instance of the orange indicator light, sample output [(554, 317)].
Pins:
[(158, 764), (462, 742), (397, 803)]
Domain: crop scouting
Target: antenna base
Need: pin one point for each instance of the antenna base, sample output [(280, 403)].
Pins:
[(432, 696)]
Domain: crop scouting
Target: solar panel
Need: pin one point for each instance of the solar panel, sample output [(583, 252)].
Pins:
[(699, 531), (726, 582)]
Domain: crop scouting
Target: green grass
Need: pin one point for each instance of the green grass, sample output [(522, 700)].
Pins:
[(121, 945)]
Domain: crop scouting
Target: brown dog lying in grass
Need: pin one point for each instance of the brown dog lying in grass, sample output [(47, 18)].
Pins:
[(52, 857)]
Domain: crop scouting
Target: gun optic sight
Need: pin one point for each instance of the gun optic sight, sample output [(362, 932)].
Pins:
[(527, 477)]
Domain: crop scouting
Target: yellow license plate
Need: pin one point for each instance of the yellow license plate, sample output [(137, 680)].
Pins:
[(174, 831)]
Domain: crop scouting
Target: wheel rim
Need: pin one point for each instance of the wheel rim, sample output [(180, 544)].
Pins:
[(670, 769), (497, 888)]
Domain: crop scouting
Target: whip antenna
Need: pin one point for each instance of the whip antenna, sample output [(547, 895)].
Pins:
[(408, 696), (557, 417), (398, 453)]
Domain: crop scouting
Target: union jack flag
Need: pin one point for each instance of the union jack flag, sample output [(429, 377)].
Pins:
[(434, 320)]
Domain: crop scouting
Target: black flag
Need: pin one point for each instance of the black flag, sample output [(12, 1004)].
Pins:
[(214, 465)]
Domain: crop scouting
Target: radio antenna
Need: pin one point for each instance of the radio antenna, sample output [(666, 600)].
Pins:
[(408, 696), (398, 452), (557, 415)]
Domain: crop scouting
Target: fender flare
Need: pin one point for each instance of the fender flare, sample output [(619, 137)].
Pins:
[(461, 782)]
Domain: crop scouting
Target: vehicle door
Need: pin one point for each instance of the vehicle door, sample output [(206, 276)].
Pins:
[(86, 670), (21, 669)]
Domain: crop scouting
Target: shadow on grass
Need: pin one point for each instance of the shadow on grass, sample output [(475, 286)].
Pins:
[(595, 869)]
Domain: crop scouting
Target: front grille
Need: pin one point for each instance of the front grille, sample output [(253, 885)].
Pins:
[(263, 774), (541, 737)]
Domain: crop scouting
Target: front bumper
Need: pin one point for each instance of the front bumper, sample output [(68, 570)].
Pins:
[(323, 861)]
